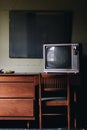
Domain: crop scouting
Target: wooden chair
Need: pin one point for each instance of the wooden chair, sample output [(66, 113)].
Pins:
[(54, 91)]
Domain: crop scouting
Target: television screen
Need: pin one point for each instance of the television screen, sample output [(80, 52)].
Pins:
[(58, 57)]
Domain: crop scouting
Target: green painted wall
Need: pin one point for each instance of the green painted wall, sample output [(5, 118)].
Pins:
[(79, 29)]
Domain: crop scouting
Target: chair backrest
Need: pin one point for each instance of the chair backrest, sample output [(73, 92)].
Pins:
[(55, 82)]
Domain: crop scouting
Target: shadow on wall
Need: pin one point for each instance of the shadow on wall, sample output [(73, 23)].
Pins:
[(83, 93)]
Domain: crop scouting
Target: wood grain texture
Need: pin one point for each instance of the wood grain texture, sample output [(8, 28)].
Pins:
[(17, 96), (14, 90)]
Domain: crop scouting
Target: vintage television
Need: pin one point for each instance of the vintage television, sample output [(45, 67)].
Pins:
[(61, 58)]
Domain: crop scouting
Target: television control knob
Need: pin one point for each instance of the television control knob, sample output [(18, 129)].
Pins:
[(75, 50)]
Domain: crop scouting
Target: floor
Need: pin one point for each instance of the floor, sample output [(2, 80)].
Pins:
[(19, 125), (38, 129)]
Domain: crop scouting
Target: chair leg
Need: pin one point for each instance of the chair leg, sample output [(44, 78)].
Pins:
[(40, 123), (68, 117), (40, 117), (40, 105), (75, 101), (75, 123)]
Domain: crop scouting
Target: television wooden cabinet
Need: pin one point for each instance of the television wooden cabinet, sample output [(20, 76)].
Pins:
[(17, 96)]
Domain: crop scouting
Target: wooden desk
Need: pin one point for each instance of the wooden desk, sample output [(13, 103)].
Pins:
[(17, 96)]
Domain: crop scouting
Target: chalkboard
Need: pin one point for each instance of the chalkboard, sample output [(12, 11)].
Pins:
[(29, 30)]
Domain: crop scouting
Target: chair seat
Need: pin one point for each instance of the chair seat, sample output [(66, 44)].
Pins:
[(54, 99)]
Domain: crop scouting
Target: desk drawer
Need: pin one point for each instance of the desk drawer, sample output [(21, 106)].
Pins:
[(17, 90), (14, 78), (16, 107)]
